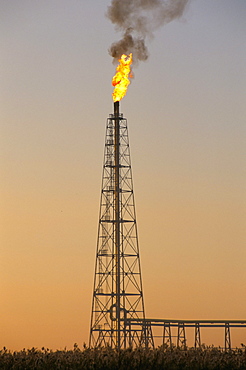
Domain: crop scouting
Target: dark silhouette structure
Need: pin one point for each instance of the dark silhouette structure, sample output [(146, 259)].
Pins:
[(118, 316)]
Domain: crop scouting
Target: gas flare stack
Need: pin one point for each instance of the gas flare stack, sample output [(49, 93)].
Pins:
[(117, 315), (117, 293)]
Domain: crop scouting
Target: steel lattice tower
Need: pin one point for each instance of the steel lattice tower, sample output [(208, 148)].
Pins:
[(117, 293)]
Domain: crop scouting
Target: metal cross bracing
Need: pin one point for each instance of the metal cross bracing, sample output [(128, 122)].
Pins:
[(117, 316), (169, 338), (117, 293)]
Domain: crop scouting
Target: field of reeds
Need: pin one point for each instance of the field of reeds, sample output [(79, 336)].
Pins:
[(138, 358)]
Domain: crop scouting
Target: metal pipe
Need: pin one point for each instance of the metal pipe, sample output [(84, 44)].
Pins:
[(117, 217)]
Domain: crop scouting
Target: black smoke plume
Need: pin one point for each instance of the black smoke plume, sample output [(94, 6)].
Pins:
[(137, 20)]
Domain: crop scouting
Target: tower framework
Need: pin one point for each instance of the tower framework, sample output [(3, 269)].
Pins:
[(117, 316), (117, 293)]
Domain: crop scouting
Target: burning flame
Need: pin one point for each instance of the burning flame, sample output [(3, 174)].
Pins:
[(121, 80)]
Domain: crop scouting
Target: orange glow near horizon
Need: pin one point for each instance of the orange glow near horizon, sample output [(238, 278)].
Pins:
[(121, 80)]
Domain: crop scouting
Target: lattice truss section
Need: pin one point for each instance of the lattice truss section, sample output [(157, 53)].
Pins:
[(103, 321)]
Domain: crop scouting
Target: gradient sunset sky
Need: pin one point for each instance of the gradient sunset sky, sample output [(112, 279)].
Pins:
[(186, 112)]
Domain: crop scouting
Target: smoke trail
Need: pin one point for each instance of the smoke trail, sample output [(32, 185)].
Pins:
[(137, 20)]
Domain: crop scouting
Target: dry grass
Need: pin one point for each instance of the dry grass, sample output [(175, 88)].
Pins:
[(139, 358)]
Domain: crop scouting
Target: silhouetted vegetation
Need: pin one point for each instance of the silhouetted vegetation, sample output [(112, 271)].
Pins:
[(139, 358)]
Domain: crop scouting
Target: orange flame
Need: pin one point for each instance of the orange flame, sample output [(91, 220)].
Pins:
[(121, 80)]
